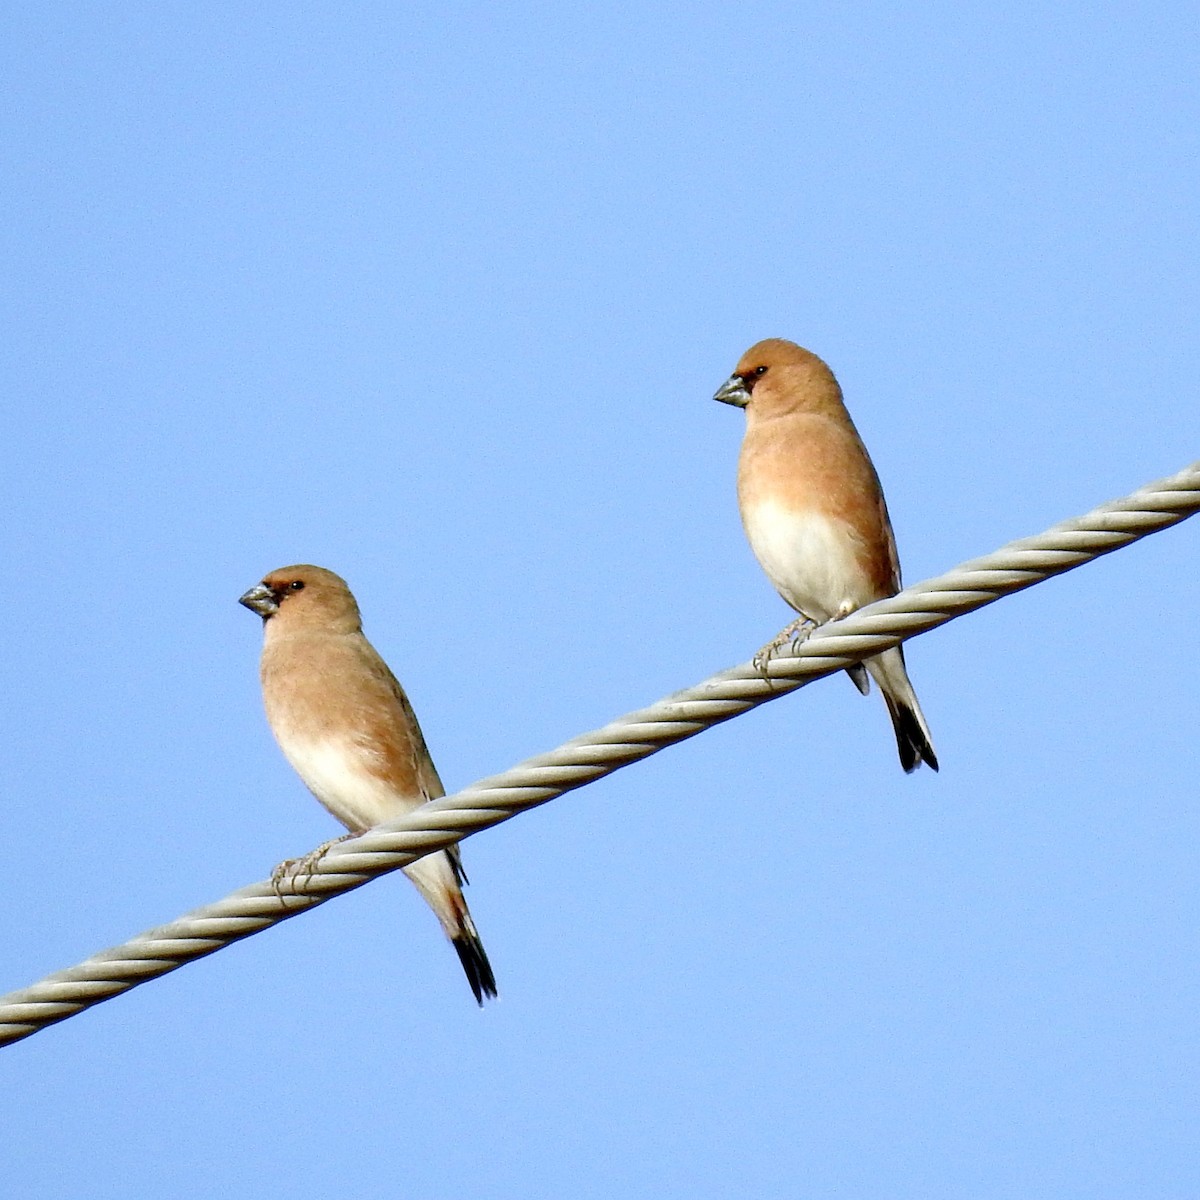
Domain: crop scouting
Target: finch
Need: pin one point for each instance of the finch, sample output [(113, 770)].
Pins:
[(344, 723), (815, 516)]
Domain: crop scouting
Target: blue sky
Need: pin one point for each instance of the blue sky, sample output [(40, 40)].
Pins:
[(438, 298)]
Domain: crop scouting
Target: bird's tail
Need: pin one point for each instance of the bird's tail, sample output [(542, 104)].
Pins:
[(912, 733), (474, 960), (437, 879)]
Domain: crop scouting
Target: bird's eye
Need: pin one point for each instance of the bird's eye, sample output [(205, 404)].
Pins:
[(297, 585), (760, 370)]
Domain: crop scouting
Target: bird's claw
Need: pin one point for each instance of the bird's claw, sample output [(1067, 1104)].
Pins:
[(292, 869), (795, 635)]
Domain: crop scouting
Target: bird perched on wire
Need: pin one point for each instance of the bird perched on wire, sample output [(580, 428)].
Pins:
[(815, 516), (344, 723)]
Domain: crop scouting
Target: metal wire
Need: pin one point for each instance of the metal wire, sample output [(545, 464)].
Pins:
[(582, 760)]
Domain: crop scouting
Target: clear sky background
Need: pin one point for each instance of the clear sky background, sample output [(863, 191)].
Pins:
[(437, 296)]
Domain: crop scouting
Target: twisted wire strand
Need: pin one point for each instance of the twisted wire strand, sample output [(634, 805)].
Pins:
[(586, 758)]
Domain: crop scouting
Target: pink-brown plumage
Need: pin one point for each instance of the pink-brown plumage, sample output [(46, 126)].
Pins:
[(343, 721), (814, 512)]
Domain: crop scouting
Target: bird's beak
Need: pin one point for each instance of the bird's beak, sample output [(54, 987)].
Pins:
[(733, 391), (260, 599)]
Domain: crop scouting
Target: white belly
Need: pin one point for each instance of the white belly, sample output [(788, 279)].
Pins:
[(335, 774), (811, 560)]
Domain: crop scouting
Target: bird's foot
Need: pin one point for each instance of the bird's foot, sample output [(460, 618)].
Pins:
[(796, 634), (292, 869)]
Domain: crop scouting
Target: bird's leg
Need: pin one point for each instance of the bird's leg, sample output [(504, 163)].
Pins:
[(797, 633), (291, 869)]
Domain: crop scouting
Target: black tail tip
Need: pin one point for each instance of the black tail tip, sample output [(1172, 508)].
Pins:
[(476, 967), (911, 741)]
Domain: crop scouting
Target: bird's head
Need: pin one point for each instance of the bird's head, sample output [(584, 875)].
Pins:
[(304, 595), (776, 376)]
